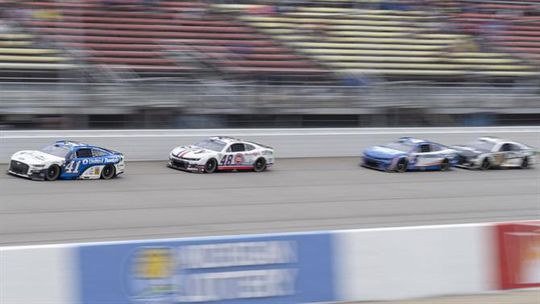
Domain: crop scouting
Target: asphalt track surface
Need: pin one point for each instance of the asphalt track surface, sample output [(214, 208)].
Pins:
[(152, 201)]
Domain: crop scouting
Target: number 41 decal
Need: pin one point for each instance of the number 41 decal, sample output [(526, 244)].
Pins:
[(72, 167)]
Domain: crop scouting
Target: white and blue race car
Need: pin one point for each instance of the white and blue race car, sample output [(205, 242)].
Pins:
[(67, 160), (409, 153)]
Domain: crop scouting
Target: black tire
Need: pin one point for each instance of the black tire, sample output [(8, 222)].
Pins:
[(445, 165), (52, 173), (260, 165), (525, 163), (486, 164), (108, 172), (401, 165), (211, 166)]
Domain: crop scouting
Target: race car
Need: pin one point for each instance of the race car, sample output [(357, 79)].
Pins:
[(409, 153), (492, 152), (222, 154), (67, 160)]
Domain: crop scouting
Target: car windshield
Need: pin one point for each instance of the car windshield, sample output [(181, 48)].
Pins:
[(212, 144), (400, 146), (56, 150), (481, 145)]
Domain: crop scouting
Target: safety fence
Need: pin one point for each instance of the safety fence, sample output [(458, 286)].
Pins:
[(326, 266), (221, 98)]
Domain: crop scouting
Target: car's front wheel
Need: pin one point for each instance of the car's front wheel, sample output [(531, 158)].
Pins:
[(524, 163), (210, 166), (108, 172), (260, 165), (486, 164), (52, 173)]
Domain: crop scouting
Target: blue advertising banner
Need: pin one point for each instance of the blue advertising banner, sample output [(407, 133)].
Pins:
[(287, 268)]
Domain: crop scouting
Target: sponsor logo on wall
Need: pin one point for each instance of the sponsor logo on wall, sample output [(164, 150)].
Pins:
[(519, 255), (214, 272), (273, 269)]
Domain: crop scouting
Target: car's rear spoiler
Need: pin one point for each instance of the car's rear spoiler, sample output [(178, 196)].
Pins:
[(112, 151), (264, 146)]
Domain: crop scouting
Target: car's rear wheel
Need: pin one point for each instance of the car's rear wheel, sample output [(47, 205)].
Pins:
[(445, 165), (401, 165), (525, 163), (108, 172), (210, 166), (486, 164), (52, 173), (260, 165)]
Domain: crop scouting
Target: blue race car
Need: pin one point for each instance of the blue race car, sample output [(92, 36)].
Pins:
[(409, 153), (67, 160)]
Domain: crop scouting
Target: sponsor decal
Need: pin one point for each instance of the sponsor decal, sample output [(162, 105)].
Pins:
[(93, 161), (519, 255), (498, 158), (274, 269), (152, 274), (175, 273), (112, 159), (238, 158)]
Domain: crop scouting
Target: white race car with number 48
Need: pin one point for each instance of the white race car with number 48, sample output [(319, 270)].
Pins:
[(222, 154)]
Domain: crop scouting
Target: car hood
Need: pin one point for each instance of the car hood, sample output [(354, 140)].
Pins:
[(383, 152), (35, 157), (191, 152), (467, 151)]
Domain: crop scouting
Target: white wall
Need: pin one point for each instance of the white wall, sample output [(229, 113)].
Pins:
[(370, 265), (156, 144), (38, 275), (410, 262)]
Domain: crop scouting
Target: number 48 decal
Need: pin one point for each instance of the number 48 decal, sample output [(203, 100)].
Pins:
[(226, 160), (72, 167)]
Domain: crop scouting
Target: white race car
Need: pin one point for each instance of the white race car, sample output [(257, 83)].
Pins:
[(223, 154), (491, 152)]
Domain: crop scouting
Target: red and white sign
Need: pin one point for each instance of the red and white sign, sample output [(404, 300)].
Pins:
[(519, 255)]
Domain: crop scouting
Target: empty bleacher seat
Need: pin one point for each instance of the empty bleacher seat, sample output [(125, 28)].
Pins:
[(182, 34), (392, 43), (21, 58)]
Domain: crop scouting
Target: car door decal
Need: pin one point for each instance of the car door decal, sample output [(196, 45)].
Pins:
[(226, 160), (72, 167), (232, 159), (498, 158), (239, 159), (428, 159)]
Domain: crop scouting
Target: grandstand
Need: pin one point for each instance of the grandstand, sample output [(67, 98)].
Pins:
[(396, 44), (22, 56), (172, 38), (318, 57), (512, 26), (326, 39)]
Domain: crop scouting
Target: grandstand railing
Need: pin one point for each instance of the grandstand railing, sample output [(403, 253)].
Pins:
[(219, 96)]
